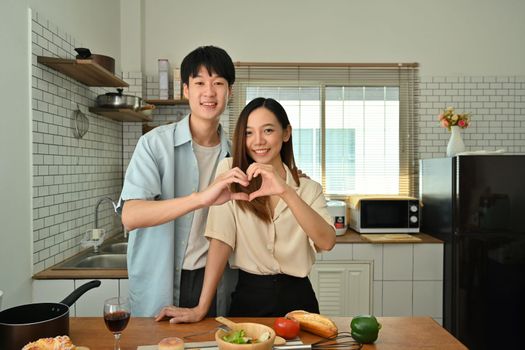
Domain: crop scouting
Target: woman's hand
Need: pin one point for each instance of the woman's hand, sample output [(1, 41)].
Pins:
[(180, 314), (272, 182)]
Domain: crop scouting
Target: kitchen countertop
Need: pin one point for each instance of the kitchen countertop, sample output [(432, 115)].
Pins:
[(349, 237), (407, 333), (353, 237)]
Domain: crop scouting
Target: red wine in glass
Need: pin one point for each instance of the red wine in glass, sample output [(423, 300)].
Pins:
[(117, 321), (117, 313)]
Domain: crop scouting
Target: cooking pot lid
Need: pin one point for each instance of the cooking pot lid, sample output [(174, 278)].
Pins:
[(118, 93)]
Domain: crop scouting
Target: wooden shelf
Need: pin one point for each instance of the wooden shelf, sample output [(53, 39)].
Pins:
[(85, 71), (123, 115), (158, 102)]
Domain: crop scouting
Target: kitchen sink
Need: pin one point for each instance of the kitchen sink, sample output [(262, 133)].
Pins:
[(116, 248), (111, 255), (95, 261)]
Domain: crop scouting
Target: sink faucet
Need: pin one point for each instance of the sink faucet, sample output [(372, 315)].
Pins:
[(98, 204)]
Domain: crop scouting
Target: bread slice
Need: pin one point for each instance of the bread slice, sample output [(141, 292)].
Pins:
[(61, 342)]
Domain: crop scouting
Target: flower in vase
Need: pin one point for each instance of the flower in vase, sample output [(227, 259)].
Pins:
[(449, 118)]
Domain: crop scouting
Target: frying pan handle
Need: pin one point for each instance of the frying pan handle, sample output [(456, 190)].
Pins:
[(77, 293)]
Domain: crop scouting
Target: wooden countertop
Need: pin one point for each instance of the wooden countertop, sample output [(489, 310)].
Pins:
[(397, 333), (349, 237), (77, 274), (353, 237)]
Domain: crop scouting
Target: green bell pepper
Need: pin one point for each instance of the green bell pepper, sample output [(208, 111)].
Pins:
[(365, 329)]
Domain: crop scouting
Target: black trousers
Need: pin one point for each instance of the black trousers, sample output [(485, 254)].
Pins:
[(271, 295), (190, 290)]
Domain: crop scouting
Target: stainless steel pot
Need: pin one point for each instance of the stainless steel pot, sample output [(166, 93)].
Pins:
[(119, 100)]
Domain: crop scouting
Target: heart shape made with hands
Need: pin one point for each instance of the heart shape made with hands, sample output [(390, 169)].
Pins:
[(272, 183)]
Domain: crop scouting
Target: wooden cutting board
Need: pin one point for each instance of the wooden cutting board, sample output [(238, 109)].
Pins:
[(207, 345), (391, 238), (155, 347)]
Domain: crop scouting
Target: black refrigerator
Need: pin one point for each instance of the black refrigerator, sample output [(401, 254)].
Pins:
[(476, 205)]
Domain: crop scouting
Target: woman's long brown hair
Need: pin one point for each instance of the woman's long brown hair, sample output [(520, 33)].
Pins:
[(259, 206)]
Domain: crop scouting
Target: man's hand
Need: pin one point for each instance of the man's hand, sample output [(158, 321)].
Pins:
[(219, 191), (180, 314), (301, 174)]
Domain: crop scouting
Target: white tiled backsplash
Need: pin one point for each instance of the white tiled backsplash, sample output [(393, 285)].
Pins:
[(497, 105), (69, 174)]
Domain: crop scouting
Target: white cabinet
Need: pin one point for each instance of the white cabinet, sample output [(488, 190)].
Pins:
[(52, 291), (402, 279), (342, 288), (91, 304), (88, 305), (123, 288)]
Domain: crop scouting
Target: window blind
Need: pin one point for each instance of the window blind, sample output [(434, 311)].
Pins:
[(353, 125)]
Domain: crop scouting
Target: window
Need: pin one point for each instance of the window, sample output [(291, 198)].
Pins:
[(352, 127)]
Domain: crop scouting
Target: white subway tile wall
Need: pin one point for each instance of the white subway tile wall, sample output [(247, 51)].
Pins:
[(497, 105), (69, 174)]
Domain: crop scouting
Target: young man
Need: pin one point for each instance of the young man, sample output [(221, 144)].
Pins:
[(168, 187)]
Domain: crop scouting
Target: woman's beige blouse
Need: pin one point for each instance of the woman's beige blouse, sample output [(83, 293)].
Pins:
[(268, 248)]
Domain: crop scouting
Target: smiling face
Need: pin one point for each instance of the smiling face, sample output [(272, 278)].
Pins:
[(265, 137), (207, 95)]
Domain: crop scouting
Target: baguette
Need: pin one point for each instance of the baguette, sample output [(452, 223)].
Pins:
[(314, 323)]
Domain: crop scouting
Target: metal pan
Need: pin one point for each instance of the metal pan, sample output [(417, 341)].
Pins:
[(119, 100), (22, 324)]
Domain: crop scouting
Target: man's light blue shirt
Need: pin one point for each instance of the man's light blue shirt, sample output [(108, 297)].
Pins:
[(163, 166)]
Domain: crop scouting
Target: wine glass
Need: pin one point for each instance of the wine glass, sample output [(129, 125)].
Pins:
[(117, 312)]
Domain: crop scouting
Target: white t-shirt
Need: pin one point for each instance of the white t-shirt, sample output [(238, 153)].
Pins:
[(207, 158)]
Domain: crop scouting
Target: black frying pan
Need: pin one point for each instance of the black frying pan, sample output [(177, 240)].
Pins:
[(22, 324)]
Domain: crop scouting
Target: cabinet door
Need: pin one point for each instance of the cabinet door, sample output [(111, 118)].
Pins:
[(342, 289), (51, 291), (91, 304), (123, 288)]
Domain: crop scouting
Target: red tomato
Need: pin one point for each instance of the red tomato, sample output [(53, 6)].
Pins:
[(286, 328)]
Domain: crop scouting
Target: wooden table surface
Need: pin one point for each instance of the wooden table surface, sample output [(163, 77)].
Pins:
[(407, 333)]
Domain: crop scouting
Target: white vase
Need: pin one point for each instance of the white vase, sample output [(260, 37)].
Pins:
[(455, 144)]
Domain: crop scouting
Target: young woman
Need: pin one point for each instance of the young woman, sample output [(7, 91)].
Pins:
[(272, 238)]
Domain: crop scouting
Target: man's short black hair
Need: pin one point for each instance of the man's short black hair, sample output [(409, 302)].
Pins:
[(215, 59)]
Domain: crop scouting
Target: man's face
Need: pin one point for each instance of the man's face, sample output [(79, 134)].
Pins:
[(207, 95)]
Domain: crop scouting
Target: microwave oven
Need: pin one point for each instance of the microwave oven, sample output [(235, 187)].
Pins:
[(393, 214)]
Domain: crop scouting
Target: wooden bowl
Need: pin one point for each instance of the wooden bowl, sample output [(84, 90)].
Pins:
[(253, 330)]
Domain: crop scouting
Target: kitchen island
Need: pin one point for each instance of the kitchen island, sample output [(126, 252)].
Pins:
[(397, 333)]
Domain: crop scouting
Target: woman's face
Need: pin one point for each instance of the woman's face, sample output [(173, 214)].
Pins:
[(265, 137)]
